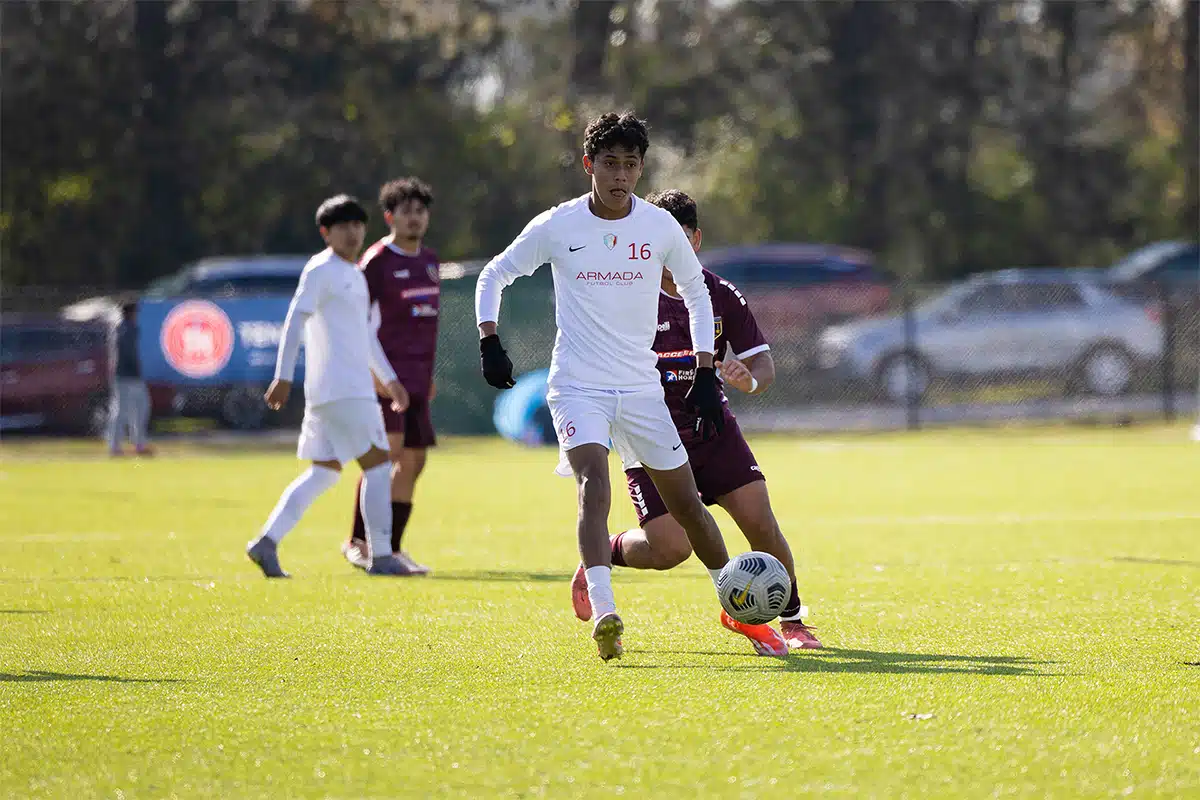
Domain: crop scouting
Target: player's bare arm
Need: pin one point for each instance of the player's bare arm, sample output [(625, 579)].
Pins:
[(277, 394), (752, 376)]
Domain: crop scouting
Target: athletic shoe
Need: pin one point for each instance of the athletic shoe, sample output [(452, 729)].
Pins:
[(799, 636), (417, 569), (388, 565), (607, 634), (145, 451), (116, 453), (766, 640), (265, 553), (355, 551), (579, 595)]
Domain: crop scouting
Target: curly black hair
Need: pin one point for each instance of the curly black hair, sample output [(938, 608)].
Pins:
[(682, 207), (340, 208), (612, 130), (395, 193)]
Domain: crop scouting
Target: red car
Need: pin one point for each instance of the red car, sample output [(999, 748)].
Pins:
[(53, 374), (798, 290)]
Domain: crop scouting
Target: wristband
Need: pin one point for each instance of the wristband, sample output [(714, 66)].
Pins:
[(753, 385)]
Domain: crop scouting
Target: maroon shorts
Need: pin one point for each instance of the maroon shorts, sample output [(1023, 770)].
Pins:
[(720, 466), (416, 422)]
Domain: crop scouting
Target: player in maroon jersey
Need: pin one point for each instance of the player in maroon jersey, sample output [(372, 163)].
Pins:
[(726, 471), (403, 280)]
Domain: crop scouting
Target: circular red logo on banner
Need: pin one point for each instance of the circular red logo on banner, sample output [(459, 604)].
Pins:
[(197, 339)]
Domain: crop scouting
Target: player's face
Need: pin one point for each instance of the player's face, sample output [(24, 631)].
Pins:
[(409, 221), (345, 238), (615, 174)]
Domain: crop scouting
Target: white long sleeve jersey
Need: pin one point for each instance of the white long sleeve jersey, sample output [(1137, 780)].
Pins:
[(607, 277), (331, 312)]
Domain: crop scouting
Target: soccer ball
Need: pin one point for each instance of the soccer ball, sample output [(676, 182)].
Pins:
[(754, 587)]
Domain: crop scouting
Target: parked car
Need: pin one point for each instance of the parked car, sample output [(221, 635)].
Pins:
[(1166, 274), (53, 374), (209, 333), (211, 330), (232, 276), (1173, 265), (1015, 323), (798, 290)]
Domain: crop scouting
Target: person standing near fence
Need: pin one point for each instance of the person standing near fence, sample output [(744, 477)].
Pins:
[(129, 407)]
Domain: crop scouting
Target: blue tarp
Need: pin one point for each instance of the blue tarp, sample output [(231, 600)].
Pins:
[(521, 413)]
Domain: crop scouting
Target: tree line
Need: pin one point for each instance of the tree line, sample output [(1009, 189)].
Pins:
[(948, 137)]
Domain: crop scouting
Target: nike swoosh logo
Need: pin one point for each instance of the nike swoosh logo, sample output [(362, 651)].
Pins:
[(676, 447), (573, 249)]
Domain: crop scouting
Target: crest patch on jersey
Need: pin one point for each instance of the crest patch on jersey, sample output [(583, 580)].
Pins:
[(610, 240), (718, 327)]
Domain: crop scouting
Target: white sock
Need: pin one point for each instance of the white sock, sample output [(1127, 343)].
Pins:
[(296, 499), (599, 581), (714, 574), (376, 503)]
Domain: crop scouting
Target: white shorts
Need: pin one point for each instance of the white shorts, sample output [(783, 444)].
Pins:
[(637, 423), (342, 430)]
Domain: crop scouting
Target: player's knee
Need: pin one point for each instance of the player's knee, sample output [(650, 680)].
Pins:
[(671, 548)]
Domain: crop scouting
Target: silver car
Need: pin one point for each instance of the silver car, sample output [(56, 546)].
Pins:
[(1020, 322)]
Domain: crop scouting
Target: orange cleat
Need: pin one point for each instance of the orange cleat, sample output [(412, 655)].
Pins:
[(579, 595), (799, 636), (766, 640)]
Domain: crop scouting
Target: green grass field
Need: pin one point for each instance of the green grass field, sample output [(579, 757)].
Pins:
[(1006, 613)]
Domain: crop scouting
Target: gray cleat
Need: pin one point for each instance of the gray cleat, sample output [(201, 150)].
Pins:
[(265, 553), (388, 565)]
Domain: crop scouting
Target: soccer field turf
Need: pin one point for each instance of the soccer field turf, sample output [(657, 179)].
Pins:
[(1005, 613)]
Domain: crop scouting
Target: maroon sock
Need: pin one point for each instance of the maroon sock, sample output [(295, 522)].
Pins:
[(618, 559), (400, 515), (359, 532)]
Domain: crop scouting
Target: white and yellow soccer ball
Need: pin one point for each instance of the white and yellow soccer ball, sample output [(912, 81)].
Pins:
[(754, 587)]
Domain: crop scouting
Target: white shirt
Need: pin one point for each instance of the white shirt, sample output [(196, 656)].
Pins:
[(332, 308), (606, 282)]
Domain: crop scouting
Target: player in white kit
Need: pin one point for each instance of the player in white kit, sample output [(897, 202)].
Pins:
[(342, 418), (607, 250)]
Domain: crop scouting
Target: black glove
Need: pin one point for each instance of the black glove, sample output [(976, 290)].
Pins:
[(497, 368), (704, 400)]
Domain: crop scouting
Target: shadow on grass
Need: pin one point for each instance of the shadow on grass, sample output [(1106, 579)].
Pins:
[(23, 611), (500, 575), (45, 676), (1165, 562), (835, 659), (120, 579)]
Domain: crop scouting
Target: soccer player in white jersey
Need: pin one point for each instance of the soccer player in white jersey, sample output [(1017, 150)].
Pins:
[(342, 418), (607, 250)]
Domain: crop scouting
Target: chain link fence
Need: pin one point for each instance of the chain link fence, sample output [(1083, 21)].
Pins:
[(1010, 346)]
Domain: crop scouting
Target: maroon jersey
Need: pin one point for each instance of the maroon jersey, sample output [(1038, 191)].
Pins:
[(407, 289), (737, 335)]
